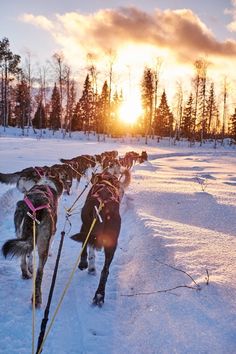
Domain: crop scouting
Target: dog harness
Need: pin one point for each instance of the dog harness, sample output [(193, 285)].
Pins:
[(97, 189), (34, 209)]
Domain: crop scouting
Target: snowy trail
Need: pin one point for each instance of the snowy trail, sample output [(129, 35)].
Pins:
[(166, 217)]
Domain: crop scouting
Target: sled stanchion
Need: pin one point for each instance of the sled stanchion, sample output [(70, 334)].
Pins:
[(46, 312)]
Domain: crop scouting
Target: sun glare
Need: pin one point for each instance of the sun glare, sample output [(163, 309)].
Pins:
[(130, 111)]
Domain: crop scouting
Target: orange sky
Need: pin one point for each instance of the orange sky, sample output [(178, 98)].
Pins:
[(137, 34)]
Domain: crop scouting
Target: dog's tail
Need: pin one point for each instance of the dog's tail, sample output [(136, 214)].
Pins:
[(65, 161), (16, 247), (81, 237), (9, 178), (125, 182)]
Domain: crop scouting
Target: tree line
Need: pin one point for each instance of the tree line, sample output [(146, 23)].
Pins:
[(31, 102)]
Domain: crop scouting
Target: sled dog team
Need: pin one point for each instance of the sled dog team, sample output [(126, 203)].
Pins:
[(42, 188)]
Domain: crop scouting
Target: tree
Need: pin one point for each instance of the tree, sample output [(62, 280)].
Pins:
[(91, 57), (111, 57), (28, 78), (55, 114), (70, 100), (200, 97), (233, 126), (39, 120), (9, 66), (163, 122), (103, 110), (22, 108), (156, 79), (187, 126), (87, 105), (60, 69), (212, 112), (225, 95), (147, 95), (43, 90), (77, 121), (178, 110)]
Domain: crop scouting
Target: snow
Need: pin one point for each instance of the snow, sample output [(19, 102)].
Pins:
[(178, 220)]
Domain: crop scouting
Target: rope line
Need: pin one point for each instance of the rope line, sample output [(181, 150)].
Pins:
[(46, 312), (76, 200), (34, 278), (70, 279)]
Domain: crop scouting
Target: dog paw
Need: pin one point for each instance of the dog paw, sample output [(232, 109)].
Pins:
[(26, 275), (98, 300), (92, 271), (83, 265)]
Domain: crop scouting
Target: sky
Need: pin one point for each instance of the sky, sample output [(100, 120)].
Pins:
[(135, 32), (178, 215)]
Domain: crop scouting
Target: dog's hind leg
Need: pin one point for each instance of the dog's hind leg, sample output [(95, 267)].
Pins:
[(44, 233), (25, 269), (100, 292), (110, 237), (39, 277), (91, 260), (30, 262), (83, 264), (19, 218)]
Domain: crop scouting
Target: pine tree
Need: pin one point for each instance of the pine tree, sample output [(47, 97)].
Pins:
[(103, 110), (233, 126), (39, 121), (163, 123), (77, 121), (187, 126), (147, 94), (22, 109), (55, 113), (211, 111), (86, 105)]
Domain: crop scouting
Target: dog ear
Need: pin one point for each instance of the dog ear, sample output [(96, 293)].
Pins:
[(77, 237)]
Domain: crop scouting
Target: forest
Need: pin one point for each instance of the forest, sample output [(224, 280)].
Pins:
[(54, 99)]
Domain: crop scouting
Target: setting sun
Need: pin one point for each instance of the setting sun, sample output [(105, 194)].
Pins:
[(130, 111)]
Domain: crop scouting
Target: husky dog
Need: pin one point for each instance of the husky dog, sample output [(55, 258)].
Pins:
[(131, 157), (102, 203), (28, 177), (41, 202), (80, 164), (24, 179), (115, 168)]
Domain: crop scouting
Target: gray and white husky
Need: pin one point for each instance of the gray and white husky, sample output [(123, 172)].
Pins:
[(40, 201)]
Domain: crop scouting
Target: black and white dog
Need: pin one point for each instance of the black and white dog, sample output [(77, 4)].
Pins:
[(41, 202), (102, 203), (28, 177)]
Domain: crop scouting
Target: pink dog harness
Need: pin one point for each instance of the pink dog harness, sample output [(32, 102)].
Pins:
[(31, 206)]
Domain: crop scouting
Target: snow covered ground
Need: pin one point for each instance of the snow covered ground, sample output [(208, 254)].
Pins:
[(178, 220)]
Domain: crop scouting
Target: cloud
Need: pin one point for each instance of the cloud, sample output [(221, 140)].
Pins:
[(232, 25), (38, 21), (180, 32)]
